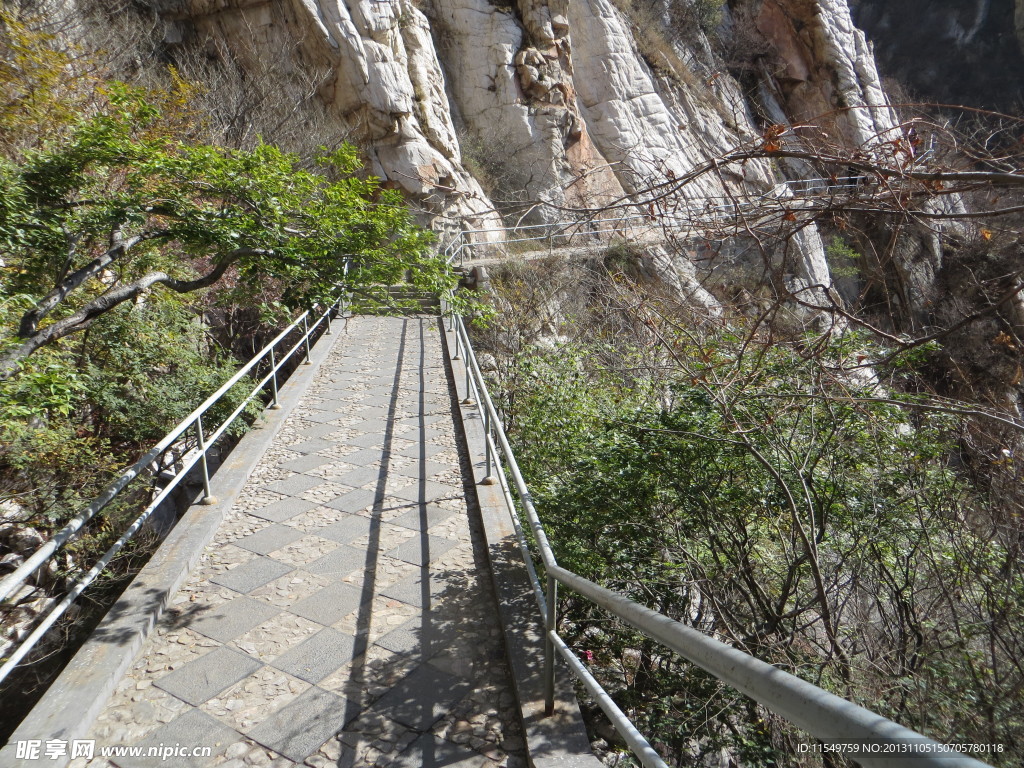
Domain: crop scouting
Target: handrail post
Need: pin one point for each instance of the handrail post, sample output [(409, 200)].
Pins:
[(467, 400), (489, 478), (305, 331), (487, 440), (458, 346), (550, 622), (275, 404), (208, 497)]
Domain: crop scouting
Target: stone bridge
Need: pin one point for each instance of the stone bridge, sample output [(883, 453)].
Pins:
[(338, 606)]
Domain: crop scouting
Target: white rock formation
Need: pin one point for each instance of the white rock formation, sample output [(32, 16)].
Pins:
[(828, 73), (845, 49), (575, 103), (632, 124), (384, 87)]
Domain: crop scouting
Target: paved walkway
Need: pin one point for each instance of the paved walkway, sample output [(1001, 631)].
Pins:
[(341, 616)]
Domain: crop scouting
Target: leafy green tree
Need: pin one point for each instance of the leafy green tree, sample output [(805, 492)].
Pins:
[(123, 233), (122, 206), (75, 414)]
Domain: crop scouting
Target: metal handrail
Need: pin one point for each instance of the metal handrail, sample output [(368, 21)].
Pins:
[(710, 209), (824, 715), (198, 455), (562, 230)]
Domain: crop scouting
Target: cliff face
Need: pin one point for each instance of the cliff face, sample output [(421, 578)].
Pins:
[(821, 63), (553, 97), (469, 104)]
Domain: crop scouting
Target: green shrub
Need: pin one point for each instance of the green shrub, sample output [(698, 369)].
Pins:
[(789, 512)]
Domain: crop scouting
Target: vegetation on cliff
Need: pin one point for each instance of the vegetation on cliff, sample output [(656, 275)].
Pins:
[(769, 491), (120, 228)]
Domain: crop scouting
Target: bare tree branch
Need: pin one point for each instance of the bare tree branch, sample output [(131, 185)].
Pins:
[(30, 320), (87, 314)]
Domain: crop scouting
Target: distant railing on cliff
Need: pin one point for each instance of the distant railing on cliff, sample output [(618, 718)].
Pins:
[(471, 246)]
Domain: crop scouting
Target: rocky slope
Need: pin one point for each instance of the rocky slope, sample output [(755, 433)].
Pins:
[(466, 105)]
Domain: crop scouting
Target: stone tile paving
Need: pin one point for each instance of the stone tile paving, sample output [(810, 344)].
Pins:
[(340, 617)]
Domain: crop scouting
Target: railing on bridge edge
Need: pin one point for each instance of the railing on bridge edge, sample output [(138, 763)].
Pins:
[(198, 455), (825, 716), (708, 211)]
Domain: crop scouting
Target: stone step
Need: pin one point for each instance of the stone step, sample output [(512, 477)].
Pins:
[(398, 300)]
